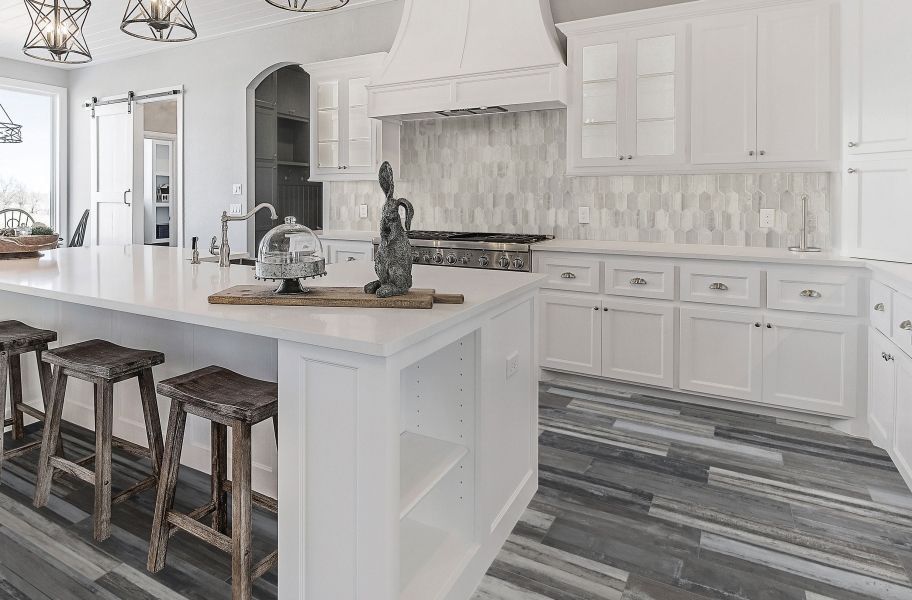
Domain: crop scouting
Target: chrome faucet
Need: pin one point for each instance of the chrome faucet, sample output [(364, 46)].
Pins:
[(223, 250)]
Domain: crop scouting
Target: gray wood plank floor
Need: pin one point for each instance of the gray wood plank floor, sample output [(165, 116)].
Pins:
[(639, 499)]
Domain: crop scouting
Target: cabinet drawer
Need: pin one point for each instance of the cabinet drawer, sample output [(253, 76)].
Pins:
[(570, 273), (809, 290), (642, 279), (902, 322), (718, 284), (880, 308)]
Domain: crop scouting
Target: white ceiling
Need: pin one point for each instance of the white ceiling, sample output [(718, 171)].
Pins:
[(213, 18)]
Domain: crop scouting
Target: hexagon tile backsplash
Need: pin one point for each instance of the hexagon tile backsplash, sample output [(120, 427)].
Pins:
[(507, 173)]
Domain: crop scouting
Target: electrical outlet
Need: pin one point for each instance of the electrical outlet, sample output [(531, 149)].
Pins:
[(767, 218), (362, 211), (236, 209), (583, 215), (237, 189), (512, 364)]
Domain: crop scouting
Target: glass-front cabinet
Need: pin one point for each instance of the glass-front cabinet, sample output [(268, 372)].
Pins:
[(347, 144), (632, 94)]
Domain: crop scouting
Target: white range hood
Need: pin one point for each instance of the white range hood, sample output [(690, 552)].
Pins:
[(462, 57)]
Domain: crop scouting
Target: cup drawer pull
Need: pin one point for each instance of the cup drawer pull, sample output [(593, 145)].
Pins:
[(906, 325), (811, 294), (879, 307), (568, 275), (718, 286), (637, 281)]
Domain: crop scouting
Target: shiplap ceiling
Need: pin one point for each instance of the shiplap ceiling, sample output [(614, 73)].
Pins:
[(213, 18)]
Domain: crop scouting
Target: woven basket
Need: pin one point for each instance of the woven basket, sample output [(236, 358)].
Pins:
[(28, 243)]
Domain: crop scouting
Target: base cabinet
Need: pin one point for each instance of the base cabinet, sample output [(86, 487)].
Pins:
[(638, 342), (902, 440), (881, 389), (345, 251), (721, 353), (571, 335)]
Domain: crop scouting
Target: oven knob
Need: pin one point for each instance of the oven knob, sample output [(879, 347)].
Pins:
[(416, 257), (438, 258), (451, 259), (518, 263), (484, 261), (427, 258), (504, 262), (465, 259)]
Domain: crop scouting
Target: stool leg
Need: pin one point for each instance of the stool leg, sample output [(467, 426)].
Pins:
[(104, 425), (46, 380), (241, 513), (50, 437), (153, 421), (219, 474), (167, 484), (15, 385), (4, 377)]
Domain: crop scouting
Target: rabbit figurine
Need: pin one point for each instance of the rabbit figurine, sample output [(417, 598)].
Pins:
[(394, 256)]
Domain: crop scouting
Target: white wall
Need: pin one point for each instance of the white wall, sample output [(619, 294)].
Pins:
[(215, 75), (24, 71)]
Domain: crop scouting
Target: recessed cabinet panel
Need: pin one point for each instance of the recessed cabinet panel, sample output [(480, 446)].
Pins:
[(810, 364), (640, 278), (813, 290), (902, 440), (880, 308), (598, 115), (570, 272), (721, 353), (879, 209), (638, 342), (882, 396), (718, 284), (571, 333), (902, 322)]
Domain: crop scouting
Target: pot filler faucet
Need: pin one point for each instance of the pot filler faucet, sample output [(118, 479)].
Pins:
[(223, 251)]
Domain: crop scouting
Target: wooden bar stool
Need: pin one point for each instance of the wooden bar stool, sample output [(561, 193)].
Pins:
[(17, 339), (103, 364), (227, 399)]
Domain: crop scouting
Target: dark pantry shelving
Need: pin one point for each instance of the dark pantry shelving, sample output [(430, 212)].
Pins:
[(282, 150)]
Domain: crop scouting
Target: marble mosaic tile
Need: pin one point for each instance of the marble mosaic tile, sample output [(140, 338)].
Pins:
[(507, 173)]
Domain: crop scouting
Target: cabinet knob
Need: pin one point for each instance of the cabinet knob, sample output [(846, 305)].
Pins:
[(718, 286), (852, 144), (623, 157), (906, 325), (769, 325), (638, 281), (605, 309), (811, 294), (757, 324), (889, 357), (751, 153), (763, 153), (852, 171), (596, 308), (879, 307), (630, 157), (568, 275)]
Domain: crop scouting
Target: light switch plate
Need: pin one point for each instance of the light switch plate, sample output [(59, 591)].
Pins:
[(767, 218), (362, 211), (236, 209), (583, 215), (237, 189), (512, 364)]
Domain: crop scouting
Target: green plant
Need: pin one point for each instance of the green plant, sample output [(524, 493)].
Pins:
[(41, 229)]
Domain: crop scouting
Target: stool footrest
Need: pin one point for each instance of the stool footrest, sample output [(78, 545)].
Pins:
[(31, 411), (14, 452), (73, 469), (203, 511), (130, 447), (258, 499), (138, 488), (271, 560), (198, 530)]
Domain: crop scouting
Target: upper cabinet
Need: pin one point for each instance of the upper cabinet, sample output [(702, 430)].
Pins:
[(628, 99), (722, 84), (877, 71), (346, 145)]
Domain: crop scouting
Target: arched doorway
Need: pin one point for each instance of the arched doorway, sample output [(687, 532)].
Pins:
[(279, 147)]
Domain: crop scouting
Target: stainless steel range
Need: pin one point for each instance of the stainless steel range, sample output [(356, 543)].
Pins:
[(501, 251)]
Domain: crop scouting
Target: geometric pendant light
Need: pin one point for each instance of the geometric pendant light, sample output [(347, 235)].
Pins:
[(158, 20), (302, 5), (10, 133), (56, 33)]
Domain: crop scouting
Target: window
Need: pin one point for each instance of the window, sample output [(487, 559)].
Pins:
[(28, 171)]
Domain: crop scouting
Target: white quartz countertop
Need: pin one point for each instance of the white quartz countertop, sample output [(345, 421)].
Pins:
[(348, 235), (160, 282), (699, 252)]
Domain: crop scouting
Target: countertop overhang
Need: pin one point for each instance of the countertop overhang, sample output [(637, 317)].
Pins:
[(160, 282)]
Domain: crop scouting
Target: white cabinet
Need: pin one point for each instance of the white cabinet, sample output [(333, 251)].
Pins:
[(810, 363), (878, 209), (902, 439), (629, 98), (721, 353), (571, 334), (338, 251), (881, 389), (345, 143), (158, 181), (638, 341), (762, 87), (877, 71)]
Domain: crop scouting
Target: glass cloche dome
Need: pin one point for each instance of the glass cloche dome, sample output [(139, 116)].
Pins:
[(290, 252)]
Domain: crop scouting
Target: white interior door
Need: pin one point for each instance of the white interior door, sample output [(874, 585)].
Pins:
[(118, 219)]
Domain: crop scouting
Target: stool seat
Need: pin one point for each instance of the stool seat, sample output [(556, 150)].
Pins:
[(224, 393), (16, 336), (99, 358)]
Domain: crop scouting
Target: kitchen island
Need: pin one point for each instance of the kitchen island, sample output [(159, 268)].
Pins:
[(407, 438)]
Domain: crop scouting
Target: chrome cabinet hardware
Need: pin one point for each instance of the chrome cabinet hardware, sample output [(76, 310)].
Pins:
[(630, 157), (718, 286), (568, 275), (888, 357), (623, 158), (811, 294), (125, 196), (637, 281), (769, 325), (351, 258), (757, 324), (605, 309), (906, 325), (852, 171), (596, 308), (751, 153), (852, 144), (879, 307), (763, 153)]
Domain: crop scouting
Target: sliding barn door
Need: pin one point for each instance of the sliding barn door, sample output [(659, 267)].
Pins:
[(117, 175)]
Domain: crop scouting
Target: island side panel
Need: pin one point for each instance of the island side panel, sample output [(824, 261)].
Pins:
[(338, 475)]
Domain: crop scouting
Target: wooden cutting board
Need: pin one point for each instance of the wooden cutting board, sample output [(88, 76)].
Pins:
[(261, 295)]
